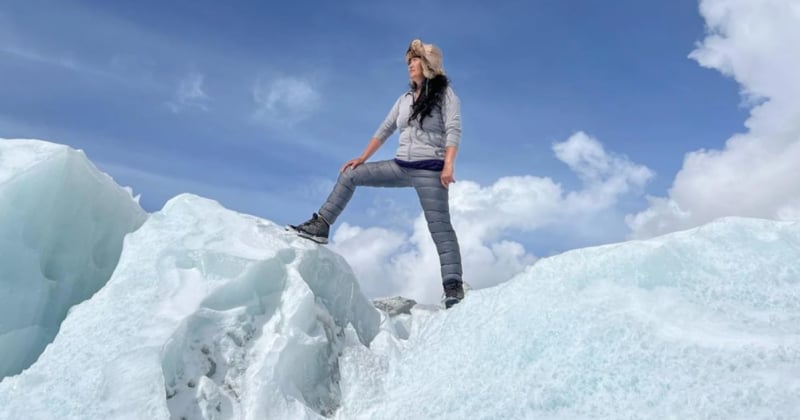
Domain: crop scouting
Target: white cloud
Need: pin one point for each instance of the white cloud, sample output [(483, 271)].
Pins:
[(363, 248), (389, 262), (190, 94), (284, 100), (605, 176), (756, 174), (790, 211)]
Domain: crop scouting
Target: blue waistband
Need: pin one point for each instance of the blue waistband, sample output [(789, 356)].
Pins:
[(429, 164)]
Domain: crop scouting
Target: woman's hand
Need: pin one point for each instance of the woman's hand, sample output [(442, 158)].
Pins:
[(449, 160), (352, 163), (447, 176)]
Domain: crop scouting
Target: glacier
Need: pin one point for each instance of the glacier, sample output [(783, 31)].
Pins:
[(206, 313), (703, 323), (61, 228)]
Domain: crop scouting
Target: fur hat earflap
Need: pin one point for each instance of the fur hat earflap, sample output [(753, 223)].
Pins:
[(430, 55)]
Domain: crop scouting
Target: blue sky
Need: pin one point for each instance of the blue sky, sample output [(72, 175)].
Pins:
[(257, 104)]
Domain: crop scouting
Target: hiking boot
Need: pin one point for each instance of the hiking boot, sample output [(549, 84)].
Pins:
[(316, 229), (453, 292)]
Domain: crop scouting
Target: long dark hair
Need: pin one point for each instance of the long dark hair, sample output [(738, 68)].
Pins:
[(431, 95)]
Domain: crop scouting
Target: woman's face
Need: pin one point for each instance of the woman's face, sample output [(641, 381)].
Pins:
[(415, 69)]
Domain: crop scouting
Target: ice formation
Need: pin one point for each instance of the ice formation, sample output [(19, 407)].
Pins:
[(212, 314), (61, 228)]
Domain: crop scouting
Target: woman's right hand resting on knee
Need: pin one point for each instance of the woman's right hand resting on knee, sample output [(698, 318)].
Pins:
[(373, 145), (353, 163)]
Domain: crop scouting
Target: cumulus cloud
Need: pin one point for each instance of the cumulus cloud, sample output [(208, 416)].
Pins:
[(756, 173), (189, 94), (284, 100), (389, 262)]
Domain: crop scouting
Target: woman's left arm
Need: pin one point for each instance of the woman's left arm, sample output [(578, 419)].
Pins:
[(452, 131)]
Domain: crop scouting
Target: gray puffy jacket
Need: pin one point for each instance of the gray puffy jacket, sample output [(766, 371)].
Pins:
[(439, 130)]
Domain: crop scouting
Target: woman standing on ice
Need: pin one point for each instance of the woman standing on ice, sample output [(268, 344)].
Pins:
[(428, 117)]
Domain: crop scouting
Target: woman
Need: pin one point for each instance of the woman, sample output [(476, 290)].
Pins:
[(428, 117)]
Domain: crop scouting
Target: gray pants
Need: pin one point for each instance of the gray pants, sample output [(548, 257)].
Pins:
[(432, 196)]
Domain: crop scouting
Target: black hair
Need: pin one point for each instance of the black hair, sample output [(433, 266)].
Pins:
[(431, 95)]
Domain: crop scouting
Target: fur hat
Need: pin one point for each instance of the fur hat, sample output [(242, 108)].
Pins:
[(431, 58)]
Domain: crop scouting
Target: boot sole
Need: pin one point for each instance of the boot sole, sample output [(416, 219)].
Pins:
[(318, 239), (449, 302)]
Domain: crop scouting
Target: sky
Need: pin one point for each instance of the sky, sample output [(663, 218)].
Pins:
[(584, 122)]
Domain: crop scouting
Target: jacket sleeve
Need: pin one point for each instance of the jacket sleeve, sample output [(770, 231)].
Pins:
[(452, 119), (389, 124)]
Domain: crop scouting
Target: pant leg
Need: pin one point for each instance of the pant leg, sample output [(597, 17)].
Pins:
[(435, 204), (385, 173)]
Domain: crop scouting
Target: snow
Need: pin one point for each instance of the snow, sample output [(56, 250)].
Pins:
[(701, 323), (209, 314), (61, 229), (213, 314)]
